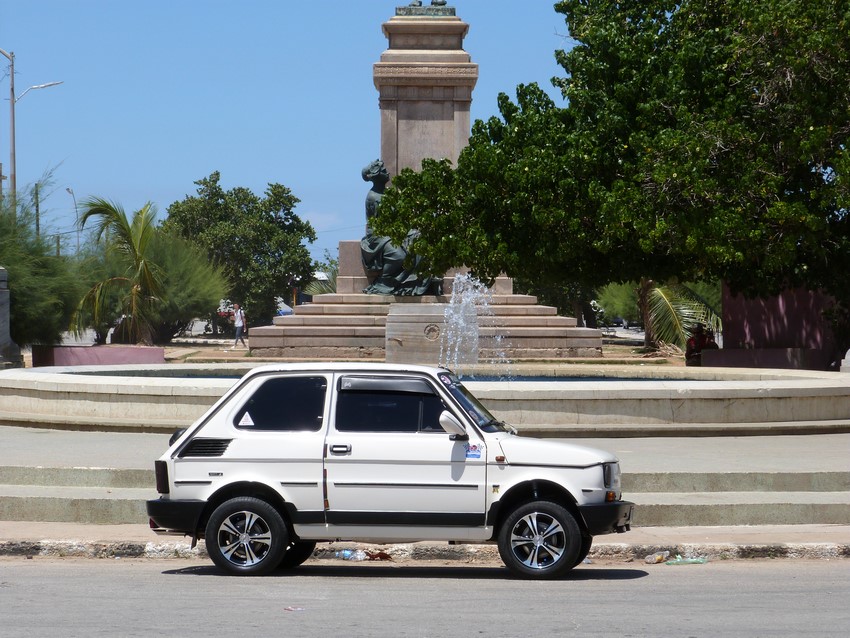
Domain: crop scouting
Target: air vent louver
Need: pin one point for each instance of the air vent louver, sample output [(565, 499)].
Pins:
[(205, 447)]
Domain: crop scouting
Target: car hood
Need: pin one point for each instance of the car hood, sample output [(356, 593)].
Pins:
[(529, 451)]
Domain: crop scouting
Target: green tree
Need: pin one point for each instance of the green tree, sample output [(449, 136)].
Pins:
[(97, 265), (257, 241), (702, 140), (192, 286), (620, 300), (123, 257), (43, 288), (140, 285)]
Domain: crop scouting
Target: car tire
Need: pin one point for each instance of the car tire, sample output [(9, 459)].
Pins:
[(584, 549), (540, 540), (246, 536), (296, 554)]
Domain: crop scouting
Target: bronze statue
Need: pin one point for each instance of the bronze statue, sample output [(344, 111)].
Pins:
[(381, 256), (376, 173)]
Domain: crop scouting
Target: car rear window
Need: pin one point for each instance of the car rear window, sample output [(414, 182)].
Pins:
[(285, 404)]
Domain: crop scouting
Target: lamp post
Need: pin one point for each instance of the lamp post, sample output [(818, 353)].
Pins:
[(13, 185), (11, 58), (76, 216)]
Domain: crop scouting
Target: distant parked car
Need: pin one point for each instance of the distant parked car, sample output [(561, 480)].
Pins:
[(298, 454)]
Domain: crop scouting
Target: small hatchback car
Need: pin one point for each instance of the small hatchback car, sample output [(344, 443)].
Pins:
[(297, 454)]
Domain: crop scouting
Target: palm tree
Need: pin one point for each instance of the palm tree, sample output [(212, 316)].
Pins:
[(671, 311), (140, 284)]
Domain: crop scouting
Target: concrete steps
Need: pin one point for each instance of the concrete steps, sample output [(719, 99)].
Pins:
[(664, 499), (94, 505), (683, 509), (681, 499), (75, 494), (352, 325)]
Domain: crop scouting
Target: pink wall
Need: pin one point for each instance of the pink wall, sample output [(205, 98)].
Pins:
[(790, 320), (95, 355)]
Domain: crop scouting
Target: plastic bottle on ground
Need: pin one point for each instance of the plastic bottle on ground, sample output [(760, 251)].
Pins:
[(657, 557)]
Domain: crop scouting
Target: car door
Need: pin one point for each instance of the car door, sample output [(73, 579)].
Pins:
[(392, 471), (281, 424)]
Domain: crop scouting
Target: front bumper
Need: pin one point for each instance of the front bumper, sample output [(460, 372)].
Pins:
[(175, 516), (607, 518)]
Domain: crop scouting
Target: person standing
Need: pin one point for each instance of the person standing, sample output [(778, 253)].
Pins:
[(239, 324), (694, 346)]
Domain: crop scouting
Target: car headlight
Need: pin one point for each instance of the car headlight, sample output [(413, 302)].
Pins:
[(611, 476)]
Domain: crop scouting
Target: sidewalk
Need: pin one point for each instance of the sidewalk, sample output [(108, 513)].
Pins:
[(713, 543)]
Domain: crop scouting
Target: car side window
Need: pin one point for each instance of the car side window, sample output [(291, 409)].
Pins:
[(378, 407), (285, 404)]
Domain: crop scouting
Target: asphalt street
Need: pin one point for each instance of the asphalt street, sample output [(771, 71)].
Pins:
[(52, 597)]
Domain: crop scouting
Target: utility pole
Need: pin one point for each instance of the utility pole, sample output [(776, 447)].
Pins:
[(37, 222)]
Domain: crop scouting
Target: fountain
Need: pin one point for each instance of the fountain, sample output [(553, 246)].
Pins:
[(463, 344), (635, 401)]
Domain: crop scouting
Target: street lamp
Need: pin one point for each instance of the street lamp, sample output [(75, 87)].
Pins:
[(13, 185), (76, 216)]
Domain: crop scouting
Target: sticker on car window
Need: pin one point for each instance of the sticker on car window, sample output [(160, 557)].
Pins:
[(246, 420), (473, 451)]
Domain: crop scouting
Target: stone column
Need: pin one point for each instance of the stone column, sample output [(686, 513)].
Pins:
[(10, 353), (425, 81)]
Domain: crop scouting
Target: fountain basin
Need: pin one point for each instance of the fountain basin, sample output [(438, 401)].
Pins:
[(632, 401)]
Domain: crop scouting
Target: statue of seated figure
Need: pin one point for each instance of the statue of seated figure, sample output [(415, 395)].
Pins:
[(381, 256)]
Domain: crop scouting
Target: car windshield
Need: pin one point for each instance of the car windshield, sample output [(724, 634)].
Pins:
[(472, 406)]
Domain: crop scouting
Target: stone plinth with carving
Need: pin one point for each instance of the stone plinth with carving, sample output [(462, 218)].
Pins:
[(10, 353), (425, 81)]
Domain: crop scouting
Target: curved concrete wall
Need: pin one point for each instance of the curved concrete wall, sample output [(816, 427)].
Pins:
[(718, 401)]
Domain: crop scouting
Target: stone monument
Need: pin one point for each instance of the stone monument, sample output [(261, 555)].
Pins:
[(425, 81), (10, 353)]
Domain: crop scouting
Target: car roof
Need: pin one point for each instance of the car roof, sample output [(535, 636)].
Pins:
[(352, 366)]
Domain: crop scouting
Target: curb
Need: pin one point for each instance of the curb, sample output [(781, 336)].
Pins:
[(424, 552)]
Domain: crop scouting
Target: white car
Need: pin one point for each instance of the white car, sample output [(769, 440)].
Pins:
[(297, 454)]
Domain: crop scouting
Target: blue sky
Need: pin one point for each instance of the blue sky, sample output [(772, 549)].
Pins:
[(161, 93)]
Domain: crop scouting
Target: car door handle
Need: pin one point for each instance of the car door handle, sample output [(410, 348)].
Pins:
[(340, 449)]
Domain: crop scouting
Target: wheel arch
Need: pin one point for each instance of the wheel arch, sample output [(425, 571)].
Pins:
[(533, 490), (245, 488)]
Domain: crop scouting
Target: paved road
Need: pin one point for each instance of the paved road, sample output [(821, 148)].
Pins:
[(52, 597)]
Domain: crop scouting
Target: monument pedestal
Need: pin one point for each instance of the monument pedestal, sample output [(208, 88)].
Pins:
[(10, 353), (425, 81), (351, 325)]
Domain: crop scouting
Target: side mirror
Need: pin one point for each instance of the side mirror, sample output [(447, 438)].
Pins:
[(450, 424), (177, 434)]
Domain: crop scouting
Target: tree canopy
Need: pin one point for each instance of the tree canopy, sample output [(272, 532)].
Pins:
[(701, 140), (257, 241), (43, 288), (146, 283)]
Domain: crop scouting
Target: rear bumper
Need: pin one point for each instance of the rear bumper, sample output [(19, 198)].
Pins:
[(175, 517), (607, 518)]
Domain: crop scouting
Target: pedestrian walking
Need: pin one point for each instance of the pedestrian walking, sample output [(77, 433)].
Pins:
[(239, 324)]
